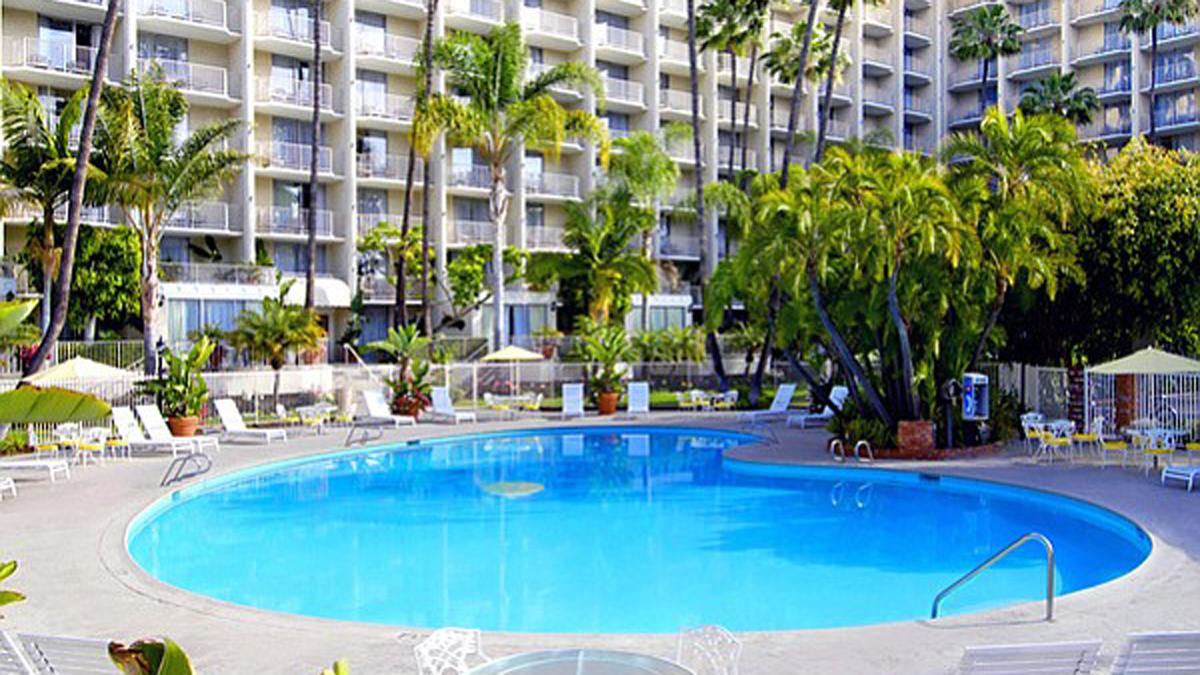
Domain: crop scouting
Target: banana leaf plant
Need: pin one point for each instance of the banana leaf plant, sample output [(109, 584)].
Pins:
[(8, 597), (150, 657)]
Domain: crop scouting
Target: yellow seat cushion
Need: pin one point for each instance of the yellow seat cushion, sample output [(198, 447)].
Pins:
[(1159, 451), (1193, 446), (1114, 445), (117, 442), (1058, 441), (1086, 438), (92, 446)]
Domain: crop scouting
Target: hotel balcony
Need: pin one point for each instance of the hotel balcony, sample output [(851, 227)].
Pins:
[(1094, 11), (474, 177), (1102, 52), (682, 151), (369, 221), (1180, 76), (1115, 131), (877, 61), (383, 51), (199, 82), (725, 66), (1172, 36), (544, 238), (293, 97), (878, 100), (877, 21), (206, 217), (1037, 22), (217, 273), (918, 31), (1174, 122), (471, 232), (201, 19), (963, 6), (1117, 89), (375, 168), (1033, 65), (619, 45), (673, 12), (968, 75), (409, 9), (723, 158), (550, 29), (673, 57), (677, 105), (49, 62), (291, 33), (293, 222), (391, 109), (726, 112), (686, 246), (479, 15), (295, 158), (93, 216), (378, 289), (561, 185), (14, 280), (918, 70), (624, 93), (917, 109)]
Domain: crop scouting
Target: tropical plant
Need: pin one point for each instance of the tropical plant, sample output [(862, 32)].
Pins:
[(8, 597), (403, 346), (412, 391), (501, 113), (984, 35), (180, 390), (826, 109), (602, 273), (1037, 181), (1060, 94), (150, 657), (426, 72), (1147, 16), (607, 347), (66, 266), (342, 667), (404, 247), (735, 28), (809, 24), (152, 176), (276, 330)]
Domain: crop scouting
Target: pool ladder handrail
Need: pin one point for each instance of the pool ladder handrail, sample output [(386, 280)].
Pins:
[(177, 471), (838, 450), (996, 557)]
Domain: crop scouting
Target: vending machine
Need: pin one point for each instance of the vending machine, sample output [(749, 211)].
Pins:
[(975, 399)]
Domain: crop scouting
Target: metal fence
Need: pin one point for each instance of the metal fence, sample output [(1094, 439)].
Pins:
[(1116, 401), (1039, 388)]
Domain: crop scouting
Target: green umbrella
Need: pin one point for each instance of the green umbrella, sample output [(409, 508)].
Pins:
[(50, 405)]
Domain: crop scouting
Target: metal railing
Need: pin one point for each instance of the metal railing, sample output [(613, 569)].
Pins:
[(673, 50), (488, 10), (552, 184), (723, 154), (204, 216), (384, 45), (552, 23), (1032, 59), (293, 91), (296, 26), (60, 57), (624, 90), (295, 156), (190, 76), (1106, 46), (388, 167), (206, 12), (725, 64), (1178, 72), (879, 94), (1086, 7), (292, 221), (680, 245), (473, 177), (385, 106), (544, 237), (217, 273), (726, 110), (918, 25), (1021, 541), (370, 221), (97, 216), (469, 232), (1042, 17), (620, 38), (971, 72), (679, 101), (682, 150)]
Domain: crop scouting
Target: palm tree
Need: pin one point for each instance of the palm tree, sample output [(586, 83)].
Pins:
[(826, 109), (646, 170), (797, 91), (275, 330), (152, 176), (402, 346), (720, 27), (1037, 180), (694, 88), (58, 315), (984, 34), (500, 112), (1146, 16), (310, 272), (754, 15), (38, 168), (783, 59), (1060, 94)]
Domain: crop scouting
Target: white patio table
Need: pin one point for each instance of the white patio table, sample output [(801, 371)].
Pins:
[(580, 662)]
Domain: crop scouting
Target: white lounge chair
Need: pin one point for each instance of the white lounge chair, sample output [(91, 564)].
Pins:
[(804, 420), (7, 484), (1064, 658), (1188, 474), (572, 405), (131, 432), (779, 407), (157, 429), (443, 407), (235, 426), (54, 466), (379, 413), (639, 399), (1159, 654), (50, 654)]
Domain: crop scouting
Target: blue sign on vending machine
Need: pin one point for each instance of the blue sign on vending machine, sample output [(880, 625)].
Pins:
[(975, 397)]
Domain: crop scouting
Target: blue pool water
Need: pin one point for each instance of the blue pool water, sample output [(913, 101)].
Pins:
[(612, 530)]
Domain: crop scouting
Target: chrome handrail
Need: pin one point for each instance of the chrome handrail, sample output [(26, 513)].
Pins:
[(1032, 536)]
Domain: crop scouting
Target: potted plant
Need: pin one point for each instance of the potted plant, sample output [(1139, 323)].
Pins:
[(411, 395), (179, 389), (549, 339), (607, 347)]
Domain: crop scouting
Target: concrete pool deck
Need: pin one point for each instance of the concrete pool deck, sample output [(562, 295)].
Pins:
[(69, 540)]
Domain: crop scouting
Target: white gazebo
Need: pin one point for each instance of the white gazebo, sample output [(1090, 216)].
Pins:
[(1150, 386)]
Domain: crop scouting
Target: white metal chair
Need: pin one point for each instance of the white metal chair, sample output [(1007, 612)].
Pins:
[(52, 654), (1159, 654), (235, 426), (443, 407), (639, 399), (1065, 658), (779, 407), (449, 651), (1189, 475), (726, 401), (572, 405), (157, 429), (837, 396), (709, 650), (7, 484)]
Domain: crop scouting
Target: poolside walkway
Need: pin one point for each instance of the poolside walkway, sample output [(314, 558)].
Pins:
[(68, 538)]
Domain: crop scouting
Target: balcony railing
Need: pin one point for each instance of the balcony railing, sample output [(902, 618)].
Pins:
[(90, 215), (723, 158), (204, 12), (1123, 86), (682, 150), (1030, 60), (965, 115), (1171, 31), (52, 55), (293, 221), (203, 216), (217, 273), (675, 100), (386, 106), (551, 23), (370, 221), (725, 64), (918, 26), (839, 128), (382, 45), (673, 50), (388, 167), (474, 177), (1176, 73), (1031, 20), (190, 76), (488, 10), (624, 90), (544, 237), (295, 26), (1104, 128), (879, 95), (674, 7), (552, 184), (727, 111), (971, 73), (295, 156), (469, 232), (1172, 118), (13, 279), (1086, 7), (680, 245), (914, 63), (293, 92), (1107, 46), (619, 38)]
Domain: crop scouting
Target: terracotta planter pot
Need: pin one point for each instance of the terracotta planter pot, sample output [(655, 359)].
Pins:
[(183, 426), (608, 403), (916, 438)]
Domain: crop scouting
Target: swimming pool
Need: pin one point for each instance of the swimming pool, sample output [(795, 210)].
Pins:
[(613, 529)]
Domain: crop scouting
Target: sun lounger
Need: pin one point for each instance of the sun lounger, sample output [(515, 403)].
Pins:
[(443, 407), (380, 414), (48, 654), (1064, 658), (7, 484), (235, 426), (158, 430), (725, 401), (572, 400), (639, 399), (1187, 474), (131, 432), (1159, 654), (805, 420), (54, 466), (779, 407)]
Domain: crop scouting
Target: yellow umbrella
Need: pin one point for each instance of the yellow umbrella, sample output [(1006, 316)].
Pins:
[(512, 353), (1149, 361), (78, 368)]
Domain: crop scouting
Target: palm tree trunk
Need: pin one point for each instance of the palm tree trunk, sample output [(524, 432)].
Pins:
[(646, 240), (1153, 82), (431, 7), (733, 132), (714, 351), (149, 300), (993, 316), (817, 390), (47, 265), (400, 310), (275, 388), (695, 91), (909, 399), (749, 96), (58, 317), (983, 85), (827, 105), (310, 277), (797, 92), (498, 205), (854, 370), (768, 341)]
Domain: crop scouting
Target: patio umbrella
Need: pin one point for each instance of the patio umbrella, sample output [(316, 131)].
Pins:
[(28, 404), (512, 355), (78, 368), (1149, 361)]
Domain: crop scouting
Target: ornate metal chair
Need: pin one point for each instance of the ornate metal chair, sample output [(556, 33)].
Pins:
[(449, 651), (709, 650)]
